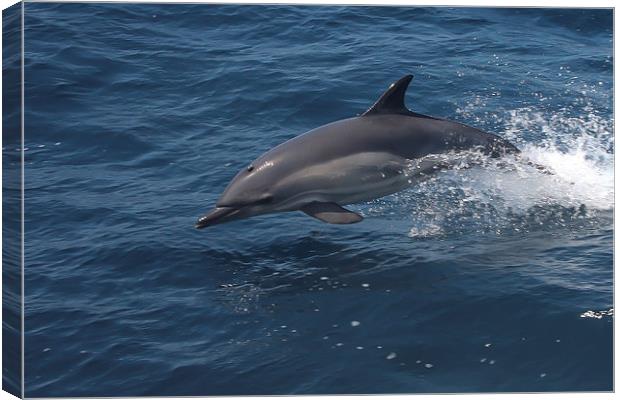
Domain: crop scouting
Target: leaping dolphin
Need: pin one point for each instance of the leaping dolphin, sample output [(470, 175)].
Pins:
[(380, 152)]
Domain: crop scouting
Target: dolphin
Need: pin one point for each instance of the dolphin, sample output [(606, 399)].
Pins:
[(380, 152)]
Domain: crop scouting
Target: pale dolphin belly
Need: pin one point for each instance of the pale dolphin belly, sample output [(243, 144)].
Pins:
[(365, 176), (356, 178)]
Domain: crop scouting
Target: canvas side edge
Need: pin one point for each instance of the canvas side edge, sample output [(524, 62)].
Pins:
[(12, 199)]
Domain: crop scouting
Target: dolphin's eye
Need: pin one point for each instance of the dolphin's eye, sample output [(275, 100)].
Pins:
[(250, 168)]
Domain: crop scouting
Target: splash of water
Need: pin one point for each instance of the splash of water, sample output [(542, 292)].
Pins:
[(579, 151), (512, 194)]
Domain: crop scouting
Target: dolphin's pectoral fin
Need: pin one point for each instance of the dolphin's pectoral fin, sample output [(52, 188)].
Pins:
[(331, 213)]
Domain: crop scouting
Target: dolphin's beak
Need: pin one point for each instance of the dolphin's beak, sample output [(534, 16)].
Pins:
[(216, 216)]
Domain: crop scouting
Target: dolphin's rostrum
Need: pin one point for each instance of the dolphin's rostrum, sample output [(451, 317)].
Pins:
[(380, 152)]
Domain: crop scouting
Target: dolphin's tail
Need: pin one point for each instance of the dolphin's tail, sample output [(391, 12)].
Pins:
[(501, 147), (520, 158), (543, 169)]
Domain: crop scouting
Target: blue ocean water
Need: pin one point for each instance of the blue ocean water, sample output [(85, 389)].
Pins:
[(489, 279)]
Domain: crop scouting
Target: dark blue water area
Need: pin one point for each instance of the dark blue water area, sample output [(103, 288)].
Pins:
[(485, 279)]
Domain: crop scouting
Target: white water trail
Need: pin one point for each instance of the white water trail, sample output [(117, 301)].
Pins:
[(579, 152), (508, 194)]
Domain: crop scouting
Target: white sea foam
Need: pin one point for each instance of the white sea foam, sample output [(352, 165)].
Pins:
[(577, 151)]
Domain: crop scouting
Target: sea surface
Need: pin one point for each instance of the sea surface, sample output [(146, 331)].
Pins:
[(495, 278)]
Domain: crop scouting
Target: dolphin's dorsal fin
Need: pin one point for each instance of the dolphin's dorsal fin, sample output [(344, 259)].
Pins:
[(393, 100)]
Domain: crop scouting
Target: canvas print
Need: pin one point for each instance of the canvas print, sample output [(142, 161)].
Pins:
[(227, 199)]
